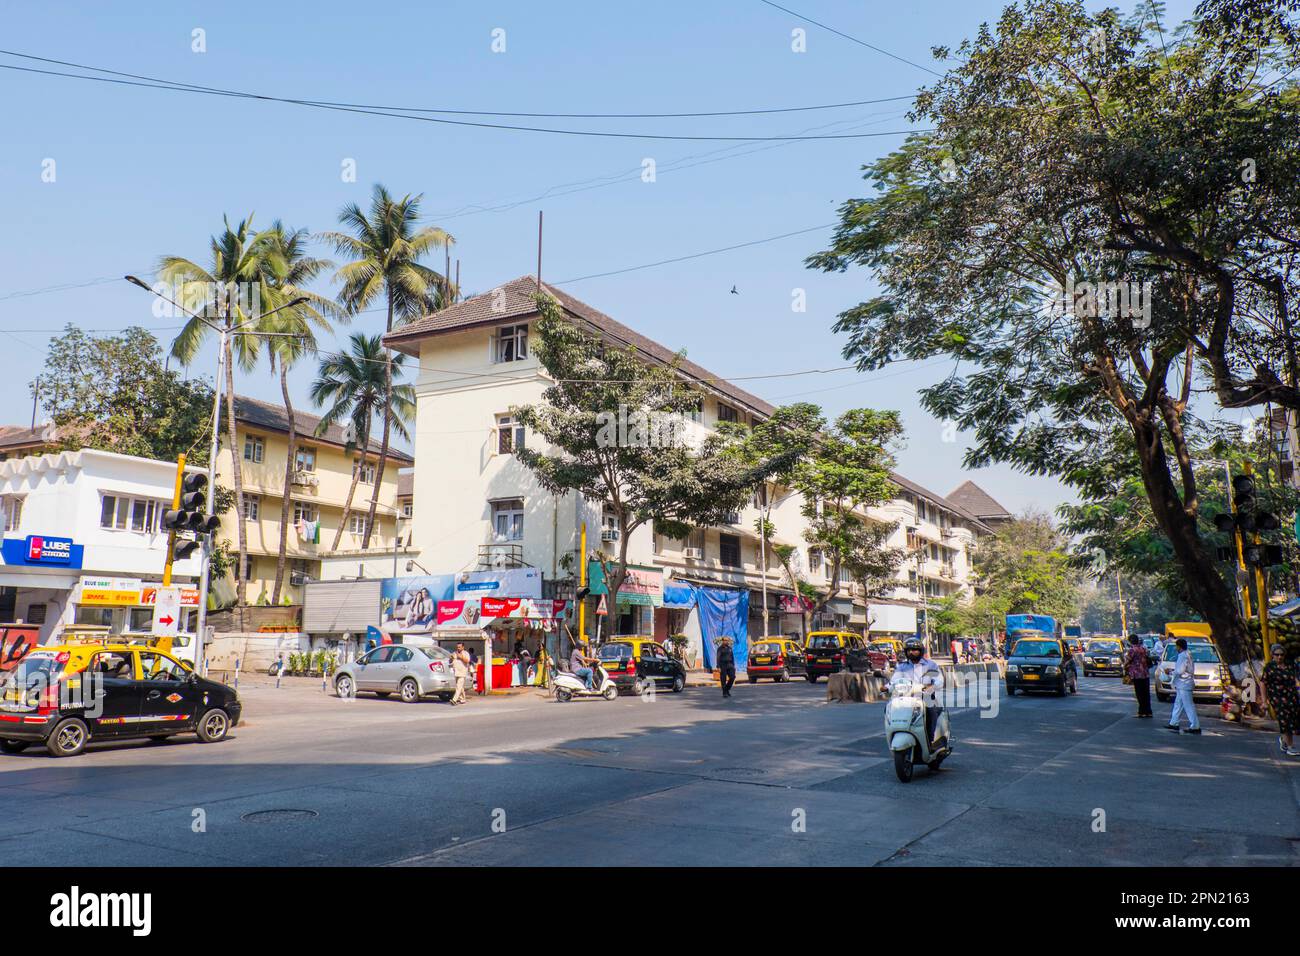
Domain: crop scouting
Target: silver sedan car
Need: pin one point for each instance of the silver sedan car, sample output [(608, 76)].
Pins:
[(1208, 680), (409, 672)]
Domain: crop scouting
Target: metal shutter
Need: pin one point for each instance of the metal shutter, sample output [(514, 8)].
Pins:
[(337, 607)]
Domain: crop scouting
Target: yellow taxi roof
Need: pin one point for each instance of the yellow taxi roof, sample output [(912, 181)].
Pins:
[(1187, 629)]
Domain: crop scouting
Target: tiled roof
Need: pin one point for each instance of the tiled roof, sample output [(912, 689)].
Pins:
[(514, 301), (17, 436), (261, 414), (977, 501), (405, 483)]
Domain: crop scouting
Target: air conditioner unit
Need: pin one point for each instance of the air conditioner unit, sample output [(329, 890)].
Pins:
[(693, 554), (733, 518), (609, 534)]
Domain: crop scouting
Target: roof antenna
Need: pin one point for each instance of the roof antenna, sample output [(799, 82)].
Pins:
[(539, 252)]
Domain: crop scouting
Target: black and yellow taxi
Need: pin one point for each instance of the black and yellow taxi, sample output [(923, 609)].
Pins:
[(1041, 663), (829, 652), (634, 661), (65, 696), (779, 658), (1103, 657)]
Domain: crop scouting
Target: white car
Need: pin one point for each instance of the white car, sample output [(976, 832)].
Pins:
[(1208, 683)]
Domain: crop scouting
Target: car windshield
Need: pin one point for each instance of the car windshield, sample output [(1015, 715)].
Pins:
[(435, 652), (1201, 653), (1036, 649), (767, 649), (883, 648), (1104, 647), (824, 641), (614, 652)]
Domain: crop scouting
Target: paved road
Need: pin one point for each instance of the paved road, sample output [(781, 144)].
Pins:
[(681, 780)]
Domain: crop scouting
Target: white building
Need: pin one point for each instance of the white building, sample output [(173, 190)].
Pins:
[(83, 542), (476, 505)]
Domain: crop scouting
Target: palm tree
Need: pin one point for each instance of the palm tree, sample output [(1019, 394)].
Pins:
[(386, 247), (290, 334), (227, 295), (354, 385)]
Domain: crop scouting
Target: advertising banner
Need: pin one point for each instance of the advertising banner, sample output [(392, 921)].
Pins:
[(642, 585), (109, 592), (477, 613)]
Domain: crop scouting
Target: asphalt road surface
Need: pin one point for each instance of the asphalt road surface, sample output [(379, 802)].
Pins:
[(774, 776)]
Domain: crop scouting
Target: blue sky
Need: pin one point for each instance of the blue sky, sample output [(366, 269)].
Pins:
[(140, 173)]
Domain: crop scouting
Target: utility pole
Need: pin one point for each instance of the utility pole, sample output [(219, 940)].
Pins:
[(1123, 615), (582, 585)]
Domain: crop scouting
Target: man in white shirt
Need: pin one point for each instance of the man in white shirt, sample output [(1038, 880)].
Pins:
[(1184, 681)]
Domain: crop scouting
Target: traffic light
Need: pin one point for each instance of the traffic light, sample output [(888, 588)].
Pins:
[(1245, 524), (186, 514)]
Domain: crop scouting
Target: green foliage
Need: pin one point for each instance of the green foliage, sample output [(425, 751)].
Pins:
[(111, 393), (351, 386), (1024, 569)]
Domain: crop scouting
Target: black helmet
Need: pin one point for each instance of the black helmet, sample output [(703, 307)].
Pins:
[(913, 644)]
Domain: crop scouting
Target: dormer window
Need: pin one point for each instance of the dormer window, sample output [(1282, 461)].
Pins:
[(510, 343)]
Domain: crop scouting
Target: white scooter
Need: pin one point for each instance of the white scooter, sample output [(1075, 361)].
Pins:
[(905, 729), (569, 686)]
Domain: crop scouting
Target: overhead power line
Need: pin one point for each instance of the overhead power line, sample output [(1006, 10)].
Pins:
[(177, 87), (839, 33)]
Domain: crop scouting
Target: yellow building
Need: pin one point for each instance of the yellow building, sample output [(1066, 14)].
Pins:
[(319, 488)]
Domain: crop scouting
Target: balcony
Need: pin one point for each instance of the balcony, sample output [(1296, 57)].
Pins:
[(500, 554)]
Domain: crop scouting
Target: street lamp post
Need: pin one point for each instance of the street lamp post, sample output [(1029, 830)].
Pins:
[(224, 331)]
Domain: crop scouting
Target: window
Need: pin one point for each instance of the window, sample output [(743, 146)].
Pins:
[(510, 344), (112, 665), (696, 540), (696, 413), (401, 655), (510, 435), (155, 666), (407, 508), (357, 525), (141, 515), (729, 550), (254, 449), (367, 470), (13, 512), (508, 519), (249, 564), (252, 507), (727, 414), (814, 561), (302, 511), (305, 459)]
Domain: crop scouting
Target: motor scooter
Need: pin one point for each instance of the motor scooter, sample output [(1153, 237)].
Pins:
[(905, 728), (569, 685)]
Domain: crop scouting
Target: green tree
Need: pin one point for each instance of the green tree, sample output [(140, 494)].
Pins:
[(114, 393), (386, 247), (1025, 569), (289, 334), (357, 386), (642, 472), (227, 296), (1076, 231)]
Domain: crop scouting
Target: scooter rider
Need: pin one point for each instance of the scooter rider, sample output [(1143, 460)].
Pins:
[(919, 669), (578, 664)]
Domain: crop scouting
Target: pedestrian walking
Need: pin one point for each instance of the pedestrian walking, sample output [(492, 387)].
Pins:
[(726, 665), (1280, 687), (1184, 681), (460, 670), (1138, 667)]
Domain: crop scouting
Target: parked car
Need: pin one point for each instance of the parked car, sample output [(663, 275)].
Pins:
[(1103, 657), (632, 660), (66, 696), (779, 658), (829, 652), (883, 657), (1207, 684), (410, 672), (1041, 663)]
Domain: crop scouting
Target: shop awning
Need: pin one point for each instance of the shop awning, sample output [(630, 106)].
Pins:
[(480, 612)]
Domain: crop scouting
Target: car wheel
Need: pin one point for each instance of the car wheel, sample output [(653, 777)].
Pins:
[(640, 686), (1064, 688), (68, 739), (344, 686), (213, 726), (610, 692), (903, 764), (812, 678), (753, 680), (679, 684), (14, 746), (410, 691), (785, 675), (563, 695), (1074, 685)]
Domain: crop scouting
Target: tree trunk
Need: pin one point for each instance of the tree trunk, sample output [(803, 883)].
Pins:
[(288, 485), (383, 444), (352, 490), (1207, 591), (237, 477)]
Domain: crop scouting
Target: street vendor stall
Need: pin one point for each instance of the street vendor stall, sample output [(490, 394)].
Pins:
[(499, 624)]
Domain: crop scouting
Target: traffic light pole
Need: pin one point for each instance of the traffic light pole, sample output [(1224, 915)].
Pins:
[(171, 532), (200, 636)]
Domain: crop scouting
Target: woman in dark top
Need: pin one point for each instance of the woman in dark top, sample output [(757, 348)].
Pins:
[(1280, 685)]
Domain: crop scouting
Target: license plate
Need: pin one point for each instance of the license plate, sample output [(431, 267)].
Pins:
[(1031, 677), (762, 660)]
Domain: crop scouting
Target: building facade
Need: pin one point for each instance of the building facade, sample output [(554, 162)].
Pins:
[(322, 474), (83, 542), (475, 505)]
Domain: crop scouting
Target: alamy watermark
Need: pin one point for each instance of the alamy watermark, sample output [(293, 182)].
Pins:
[(1112, 299), (637, 428)]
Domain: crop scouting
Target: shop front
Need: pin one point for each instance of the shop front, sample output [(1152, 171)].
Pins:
[(512, 633), (641, 594)]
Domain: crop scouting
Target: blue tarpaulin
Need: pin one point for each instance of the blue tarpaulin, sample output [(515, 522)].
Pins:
[(724, 614), (679, 596)]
